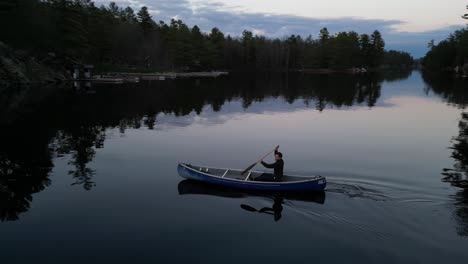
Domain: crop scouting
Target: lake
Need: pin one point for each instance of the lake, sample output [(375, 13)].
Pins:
[(88, 172)]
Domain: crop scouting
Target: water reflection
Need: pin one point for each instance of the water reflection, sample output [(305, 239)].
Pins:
[(38, 124), (25, 163), (186, 187), (275, 210), (461, 212), (458, 175), (454, 91), (81, 143)]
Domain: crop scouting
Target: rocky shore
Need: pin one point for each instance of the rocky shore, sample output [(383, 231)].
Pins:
[(19, 67)]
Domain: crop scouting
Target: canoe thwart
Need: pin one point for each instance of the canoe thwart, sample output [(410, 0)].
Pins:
[(248, 175)]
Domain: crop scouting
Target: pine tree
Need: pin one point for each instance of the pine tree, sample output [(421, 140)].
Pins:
[(145, 20), (324, 36), (366, 50), (378, 45), (216, 39), (128, 15), (324, 54), (73, 34), (249, 56), (114, 10)]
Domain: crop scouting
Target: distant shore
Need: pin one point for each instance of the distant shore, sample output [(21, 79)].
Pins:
[(18, 68)]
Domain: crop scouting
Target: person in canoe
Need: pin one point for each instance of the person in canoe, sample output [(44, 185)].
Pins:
[(277, 167)]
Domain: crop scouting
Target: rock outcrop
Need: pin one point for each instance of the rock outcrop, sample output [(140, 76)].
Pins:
[(19, 67)]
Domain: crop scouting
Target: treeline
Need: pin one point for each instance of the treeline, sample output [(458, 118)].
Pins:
[(398, 59), (112, 35), (449, 53)]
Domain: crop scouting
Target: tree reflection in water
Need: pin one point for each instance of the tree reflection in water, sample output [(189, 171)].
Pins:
[(455, 92), (458, 175), (81, 143), (25, 163), (72, 122)]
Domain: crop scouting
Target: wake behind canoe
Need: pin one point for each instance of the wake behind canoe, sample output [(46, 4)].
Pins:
[(233, 178)]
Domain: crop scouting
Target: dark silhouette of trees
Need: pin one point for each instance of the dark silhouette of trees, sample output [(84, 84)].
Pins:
[(450, 54), (397, 59), (145, 20), (115, 37)]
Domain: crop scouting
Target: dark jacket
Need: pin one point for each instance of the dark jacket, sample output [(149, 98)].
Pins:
[(277, 168)]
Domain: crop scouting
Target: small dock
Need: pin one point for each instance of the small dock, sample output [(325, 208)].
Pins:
[(162, 76), (84, 73)]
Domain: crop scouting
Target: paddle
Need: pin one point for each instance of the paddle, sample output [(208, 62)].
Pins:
[(253, 165), (248, 208)]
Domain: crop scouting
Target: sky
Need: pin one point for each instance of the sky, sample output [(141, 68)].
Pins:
[(406, 25)]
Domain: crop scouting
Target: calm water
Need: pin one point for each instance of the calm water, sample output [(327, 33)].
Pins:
[(88, 174)]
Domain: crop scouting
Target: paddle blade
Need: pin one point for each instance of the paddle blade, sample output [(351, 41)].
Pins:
[(248, 208), (249, 168)]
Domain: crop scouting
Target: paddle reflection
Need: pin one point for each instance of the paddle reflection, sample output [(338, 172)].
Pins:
[(275, 210), (278, 198)]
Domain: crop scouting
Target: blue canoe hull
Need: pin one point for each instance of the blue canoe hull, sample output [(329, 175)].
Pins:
[(316, 183)]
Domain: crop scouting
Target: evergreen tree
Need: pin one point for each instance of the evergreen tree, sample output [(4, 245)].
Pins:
[(128, 15), (216, 39), (198, 48), (248, 46), (114, 10), (324, 36), (377, 51), (324, 54), (366, 50), (145, 20)]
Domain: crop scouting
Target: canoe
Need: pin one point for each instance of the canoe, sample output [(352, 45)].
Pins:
[(233, 178)]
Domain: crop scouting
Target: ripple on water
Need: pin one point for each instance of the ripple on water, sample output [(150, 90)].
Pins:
[(378, 190), (335, 219)]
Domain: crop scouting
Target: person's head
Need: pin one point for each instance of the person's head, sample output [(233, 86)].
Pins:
[(278, 155)]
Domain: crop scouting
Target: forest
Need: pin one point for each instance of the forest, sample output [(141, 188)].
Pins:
[(449, 54), (113, 37)]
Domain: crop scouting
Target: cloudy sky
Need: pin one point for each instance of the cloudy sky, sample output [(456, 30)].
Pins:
[(405, 24)]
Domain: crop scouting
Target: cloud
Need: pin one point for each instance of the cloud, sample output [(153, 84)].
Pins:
[(233, 21)]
